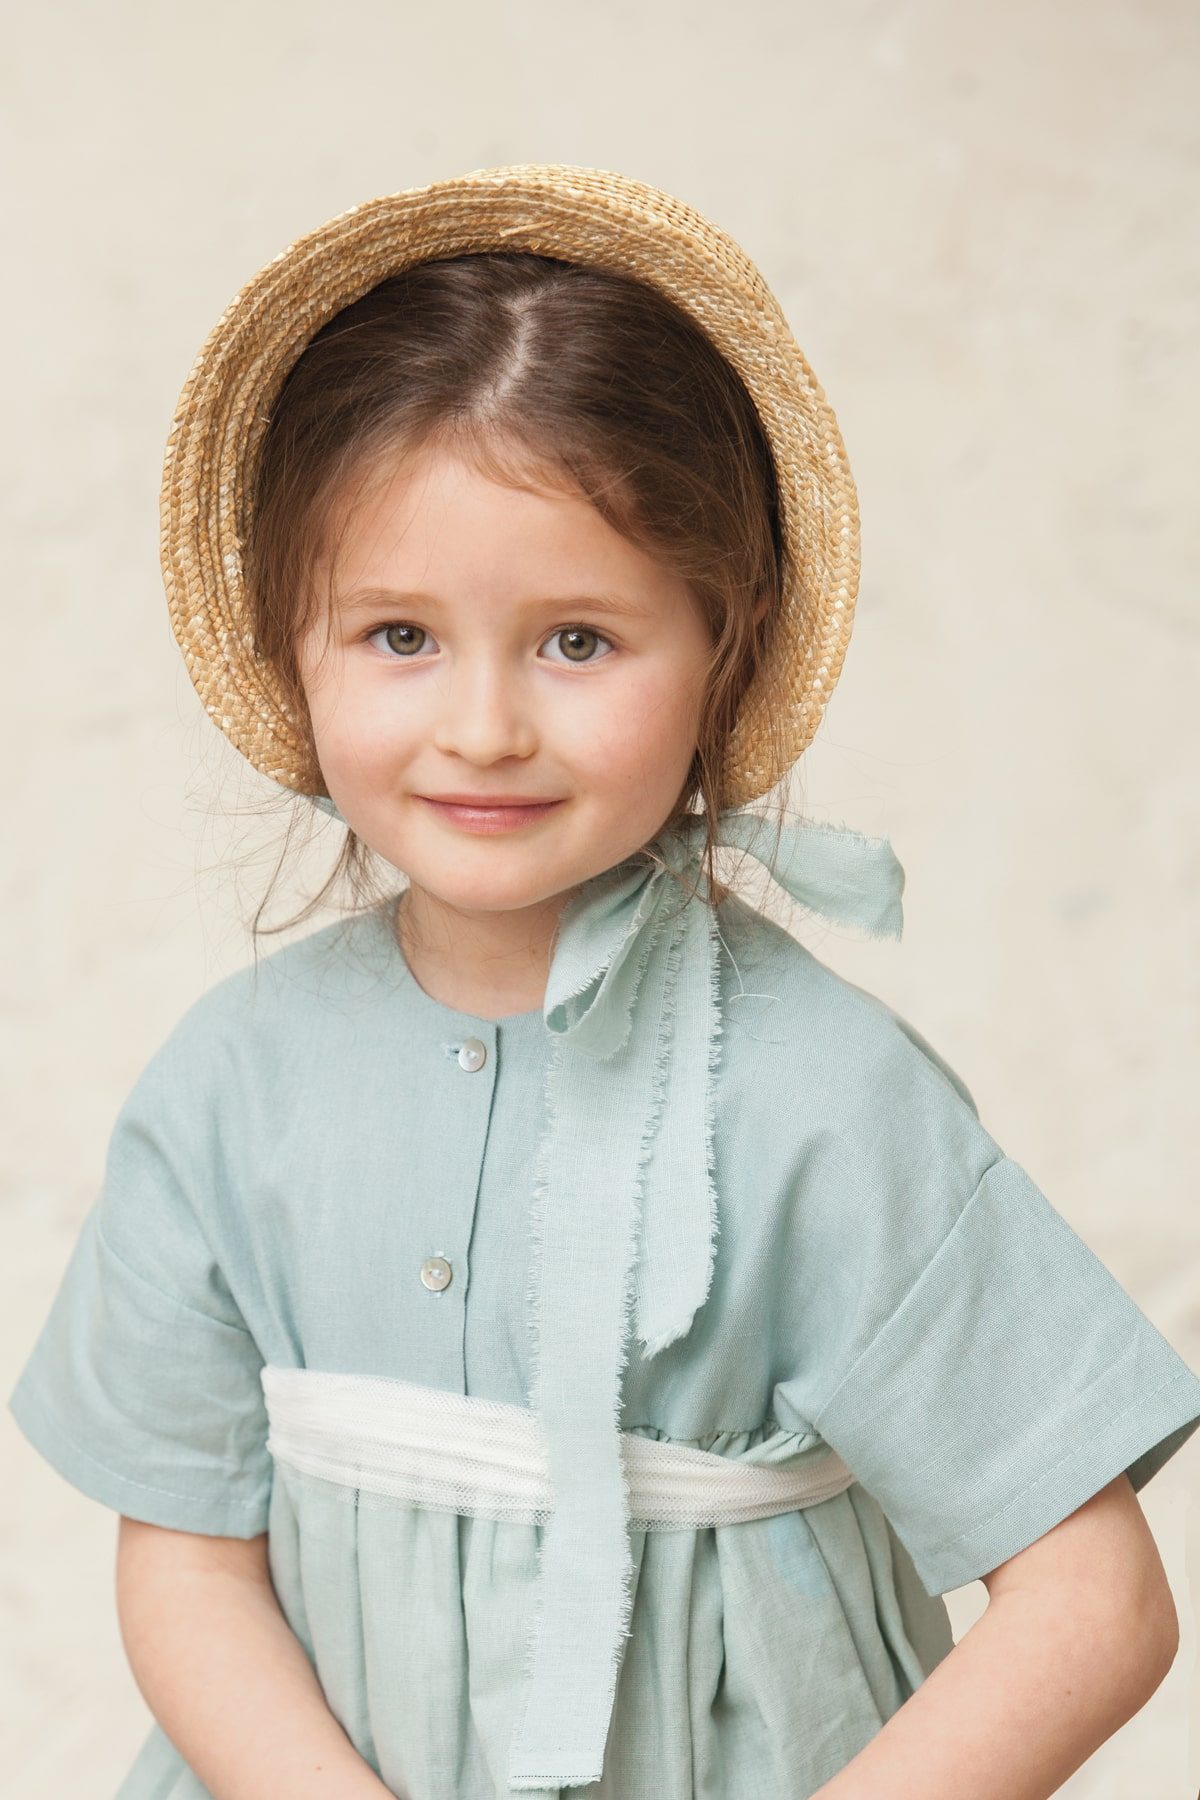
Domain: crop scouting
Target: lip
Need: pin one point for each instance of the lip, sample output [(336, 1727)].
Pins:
[(491, 816), (483, 801)]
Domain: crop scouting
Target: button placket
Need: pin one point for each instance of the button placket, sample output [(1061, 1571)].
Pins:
[(437, 1272)]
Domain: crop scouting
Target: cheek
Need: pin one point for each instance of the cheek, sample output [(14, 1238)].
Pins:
[(320, 672), (651, 723), (355, 728)]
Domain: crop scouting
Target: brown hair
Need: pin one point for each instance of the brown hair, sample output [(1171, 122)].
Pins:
[(530, 364)]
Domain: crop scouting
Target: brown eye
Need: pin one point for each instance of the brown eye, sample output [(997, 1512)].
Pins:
[(400, 637), (578, 640)]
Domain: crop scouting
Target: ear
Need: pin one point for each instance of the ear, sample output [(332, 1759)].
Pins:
[(761, 608)]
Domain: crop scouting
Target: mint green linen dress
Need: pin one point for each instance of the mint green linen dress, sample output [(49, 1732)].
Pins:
[(886, 1282)]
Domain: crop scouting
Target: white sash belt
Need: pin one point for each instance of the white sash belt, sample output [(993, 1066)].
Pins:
[(456, 1453)]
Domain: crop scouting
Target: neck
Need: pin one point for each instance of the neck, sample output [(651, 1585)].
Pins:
[(490, 964)]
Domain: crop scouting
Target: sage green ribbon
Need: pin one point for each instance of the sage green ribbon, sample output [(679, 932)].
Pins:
[(625, 1219)]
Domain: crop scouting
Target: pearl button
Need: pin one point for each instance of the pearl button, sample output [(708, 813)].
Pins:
[(472, 1055), (436, 1273)]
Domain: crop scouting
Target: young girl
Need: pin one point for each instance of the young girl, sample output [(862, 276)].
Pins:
[(546, 1331)]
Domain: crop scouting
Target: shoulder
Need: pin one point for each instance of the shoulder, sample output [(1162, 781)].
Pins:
[(264, 1020), (790, 1019), (835, 1100), (243, 1074), (848, 1147)]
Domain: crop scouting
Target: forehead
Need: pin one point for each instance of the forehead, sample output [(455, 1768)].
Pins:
[(442, 519), (435, 470)]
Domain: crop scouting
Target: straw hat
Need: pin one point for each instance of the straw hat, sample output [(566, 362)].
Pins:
[(588, 216)]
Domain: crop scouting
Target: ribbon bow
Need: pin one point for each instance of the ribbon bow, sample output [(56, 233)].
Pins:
[(625, 1220)]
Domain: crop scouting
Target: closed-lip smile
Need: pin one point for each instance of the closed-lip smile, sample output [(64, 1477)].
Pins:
[(485, 800)]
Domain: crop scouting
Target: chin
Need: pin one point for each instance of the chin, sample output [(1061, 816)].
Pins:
[(490, 892)]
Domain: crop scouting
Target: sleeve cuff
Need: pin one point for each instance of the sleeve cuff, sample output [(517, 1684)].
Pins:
[(1168, 1417), (216, 1515)]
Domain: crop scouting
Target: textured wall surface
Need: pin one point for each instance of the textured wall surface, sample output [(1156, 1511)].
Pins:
[(981, 222)]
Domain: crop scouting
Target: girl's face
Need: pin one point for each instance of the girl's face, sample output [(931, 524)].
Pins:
[(488, 641)]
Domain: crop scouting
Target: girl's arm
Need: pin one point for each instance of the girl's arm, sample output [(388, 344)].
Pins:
[(1079, 1631), (224, 1674)]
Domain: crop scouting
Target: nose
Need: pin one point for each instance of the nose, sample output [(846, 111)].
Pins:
[(484, 715)]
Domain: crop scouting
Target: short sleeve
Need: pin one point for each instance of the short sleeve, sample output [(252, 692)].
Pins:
[(1012, 1380), (143, 1388)]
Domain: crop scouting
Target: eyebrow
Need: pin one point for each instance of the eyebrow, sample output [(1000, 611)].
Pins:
[(370, 598)]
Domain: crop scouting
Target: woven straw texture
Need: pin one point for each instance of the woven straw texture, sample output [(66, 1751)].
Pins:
[(589, 216)]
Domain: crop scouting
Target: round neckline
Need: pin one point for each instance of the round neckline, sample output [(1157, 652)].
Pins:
[(437, 1010)]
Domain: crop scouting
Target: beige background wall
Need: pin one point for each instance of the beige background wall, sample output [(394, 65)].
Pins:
[(981, 220)]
